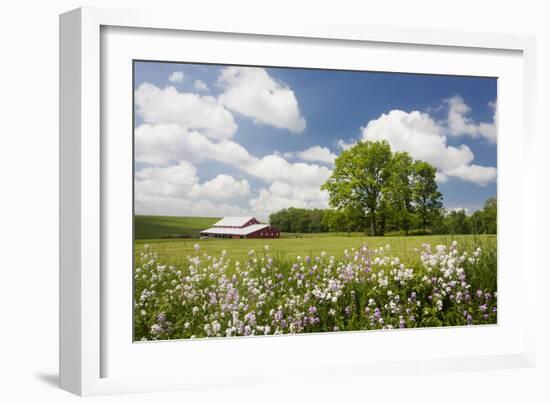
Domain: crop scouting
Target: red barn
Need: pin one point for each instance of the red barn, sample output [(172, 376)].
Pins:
[(240, 228)]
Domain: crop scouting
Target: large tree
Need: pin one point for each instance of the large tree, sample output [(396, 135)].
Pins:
[(426, 197), (359, 176), (399, 193)]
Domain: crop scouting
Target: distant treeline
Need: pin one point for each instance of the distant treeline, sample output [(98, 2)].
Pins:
[(440, 221)]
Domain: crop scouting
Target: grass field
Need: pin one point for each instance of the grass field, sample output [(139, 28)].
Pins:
[(157, 227), (176, 250), (174, 238)]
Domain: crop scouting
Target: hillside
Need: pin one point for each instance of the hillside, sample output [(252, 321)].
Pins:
[(156, 227)]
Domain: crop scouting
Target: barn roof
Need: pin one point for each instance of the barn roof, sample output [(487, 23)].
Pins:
[(233, 221), (236, 231)]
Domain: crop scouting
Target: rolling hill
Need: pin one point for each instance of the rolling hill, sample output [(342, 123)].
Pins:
[(157, 227)]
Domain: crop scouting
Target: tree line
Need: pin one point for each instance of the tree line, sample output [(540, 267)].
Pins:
[(330, 220), (375, 190)]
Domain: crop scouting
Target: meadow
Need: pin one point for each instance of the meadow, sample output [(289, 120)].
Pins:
[(175, 251), (187, 288)]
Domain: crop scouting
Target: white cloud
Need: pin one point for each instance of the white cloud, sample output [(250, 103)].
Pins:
[(317, 153), (222, 187), (160, 144), (418, 134), (176, 77), (282, 195), (296, 183), (344, 145), (200, 85), (149, 204), (475, 173), (174, 180), (193, 111), (461, 124), (253, 93), (176, 189)]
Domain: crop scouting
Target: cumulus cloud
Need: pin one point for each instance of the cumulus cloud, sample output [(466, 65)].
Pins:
[(288, 183), (222, 187), (169, 106), (176, 77), (177, 187), (160, 144), (281, 195), (253, 93), (150, 204), (345, 145), (424, 138), (475, 173), (200, 85), (317, 153), (461, 124), (182, 180)]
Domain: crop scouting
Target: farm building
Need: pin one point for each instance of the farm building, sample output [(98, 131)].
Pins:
[(241, 227)]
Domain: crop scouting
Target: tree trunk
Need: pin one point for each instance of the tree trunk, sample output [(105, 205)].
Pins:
[(372, 223), (424, 222)]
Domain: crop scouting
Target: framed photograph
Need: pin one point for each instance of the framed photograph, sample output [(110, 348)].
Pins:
[(255, 194)]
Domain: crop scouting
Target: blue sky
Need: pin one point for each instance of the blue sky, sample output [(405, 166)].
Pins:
[(284, 127)]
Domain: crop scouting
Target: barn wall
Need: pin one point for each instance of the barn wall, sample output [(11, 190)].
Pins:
[(268, 233)]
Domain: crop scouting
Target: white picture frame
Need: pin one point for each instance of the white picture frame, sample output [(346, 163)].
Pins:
[(86, 345)]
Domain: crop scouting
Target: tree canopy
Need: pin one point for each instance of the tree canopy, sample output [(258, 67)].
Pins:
[(390, 188), (359, 177)]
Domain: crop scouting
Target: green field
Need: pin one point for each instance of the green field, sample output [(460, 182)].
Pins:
[(177, 249), (158, 227), (174, 238)]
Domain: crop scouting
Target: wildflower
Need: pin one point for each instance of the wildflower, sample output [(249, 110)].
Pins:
[(156, 329), (197, 247), (257, 296)]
